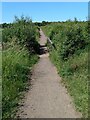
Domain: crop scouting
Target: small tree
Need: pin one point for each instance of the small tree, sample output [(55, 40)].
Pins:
[(75, 20)]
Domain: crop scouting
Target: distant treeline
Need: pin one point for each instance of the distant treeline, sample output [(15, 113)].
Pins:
[(43, 23)]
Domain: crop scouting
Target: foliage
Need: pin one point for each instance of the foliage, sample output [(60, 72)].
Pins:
[(16, 66), (72, 41), (24, 32), (0, 83), (19, 55), (43, 23)]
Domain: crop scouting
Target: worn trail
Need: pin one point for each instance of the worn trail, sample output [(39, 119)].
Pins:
[(47, 98)]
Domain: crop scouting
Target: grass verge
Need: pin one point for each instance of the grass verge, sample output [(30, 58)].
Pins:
[(74, 75), (73, 69), (17, 63)]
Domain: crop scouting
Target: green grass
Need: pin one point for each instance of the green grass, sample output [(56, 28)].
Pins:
[(75, 79), (17, 64), (20, 49), (0, 83), (0, 64), (0, 34), (74, 70)]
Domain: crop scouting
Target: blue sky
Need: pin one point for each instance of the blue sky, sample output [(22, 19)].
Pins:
[(45, 11)]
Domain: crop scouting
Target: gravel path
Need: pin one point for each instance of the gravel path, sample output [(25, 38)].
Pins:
[(47, 98)]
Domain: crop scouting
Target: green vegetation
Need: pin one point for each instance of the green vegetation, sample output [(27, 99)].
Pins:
[(0, 73), (0, 83), (20, 48), (71, 57), (0, 35)]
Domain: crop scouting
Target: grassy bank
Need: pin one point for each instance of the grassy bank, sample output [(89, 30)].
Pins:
[(70, 58), (17, 64), (20, 48), (0, 83), (0, 74)]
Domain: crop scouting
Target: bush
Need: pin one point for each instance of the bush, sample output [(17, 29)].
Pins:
[(25, 33), (16, 66), (74, 41), (71, 40), (19, 55)]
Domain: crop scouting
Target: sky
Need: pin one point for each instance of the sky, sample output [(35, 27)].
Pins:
[(44, 11)]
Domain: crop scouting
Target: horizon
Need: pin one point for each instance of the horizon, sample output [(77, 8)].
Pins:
[(48, 21)]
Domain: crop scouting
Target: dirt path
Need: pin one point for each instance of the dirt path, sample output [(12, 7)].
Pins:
[(47, 98)]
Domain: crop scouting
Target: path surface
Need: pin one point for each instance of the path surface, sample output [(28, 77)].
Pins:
[(47, 98)]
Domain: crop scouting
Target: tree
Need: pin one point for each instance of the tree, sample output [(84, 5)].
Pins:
[(75, 20)]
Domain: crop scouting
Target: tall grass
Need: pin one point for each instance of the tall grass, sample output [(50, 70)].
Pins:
[(0, 73), (70, 58), (20, 48), (17, 64), (0, 83), (74, 73)]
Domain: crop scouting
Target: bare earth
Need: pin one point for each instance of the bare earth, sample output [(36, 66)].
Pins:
[(47, 98)]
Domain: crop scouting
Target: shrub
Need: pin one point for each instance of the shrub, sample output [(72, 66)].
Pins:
[(16, 65), (25, 33), (19, 55), (75, 41), (71, 40)]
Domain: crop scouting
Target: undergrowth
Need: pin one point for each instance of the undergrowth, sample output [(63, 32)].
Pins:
[(71, 57), (20, 48)]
